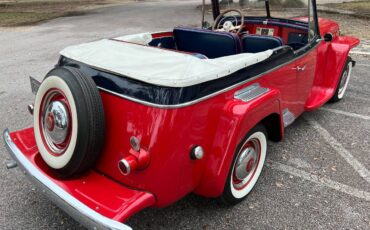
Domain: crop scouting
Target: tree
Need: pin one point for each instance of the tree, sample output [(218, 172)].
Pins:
[(243, 3)]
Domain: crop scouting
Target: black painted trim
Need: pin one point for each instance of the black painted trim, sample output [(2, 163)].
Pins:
[(163, 95)]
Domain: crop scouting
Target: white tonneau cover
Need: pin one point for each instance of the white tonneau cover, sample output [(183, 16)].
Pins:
[(158, 66)]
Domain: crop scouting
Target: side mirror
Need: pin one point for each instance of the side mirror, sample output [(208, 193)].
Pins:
[(328, 37)]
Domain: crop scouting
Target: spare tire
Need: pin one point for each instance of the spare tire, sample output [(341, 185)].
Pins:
[(68, 121)]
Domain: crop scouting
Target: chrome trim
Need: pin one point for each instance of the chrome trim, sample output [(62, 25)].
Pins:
[(317, 41), (288, 117), (126, 165), (300, 68), (205, 97), (135, 143), (197, 153), (251, 92), (76, 209), (332, 36), (241, 170), (55, 125)]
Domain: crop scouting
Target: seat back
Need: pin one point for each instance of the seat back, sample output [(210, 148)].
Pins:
[(257, 43), (209, 43)]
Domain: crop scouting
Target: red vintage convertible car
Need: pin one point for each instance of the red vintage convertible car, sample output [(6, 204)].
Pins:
[(140, 121)]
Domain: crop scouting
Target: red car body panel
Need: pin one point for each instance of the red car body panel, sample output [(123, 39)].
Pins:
[(95, 190), (331, 60), (171, 173)]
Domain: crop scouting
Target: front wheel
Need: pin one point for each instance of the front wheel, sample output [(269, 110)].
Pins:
[(343, 82), (246, 167)]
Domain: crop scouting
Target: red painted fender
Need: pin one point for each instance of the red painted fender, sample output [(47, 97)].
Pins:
[(237, 119), (337, 55), (331, 60)]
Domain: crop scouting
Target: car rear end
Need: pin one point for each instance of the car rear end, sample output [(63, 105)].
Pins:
[(150, 155)]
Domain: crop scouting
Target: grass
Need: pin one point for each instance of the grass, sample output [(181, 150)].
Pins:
[(28, 12), (25, 18), (359, 7)]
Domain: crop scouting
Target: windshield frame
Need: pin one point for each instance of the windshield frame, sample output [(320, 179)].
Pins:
[(216, 12), (216, 8)]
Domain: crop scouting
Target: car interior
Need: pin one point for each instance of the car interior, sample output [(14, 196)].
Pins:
[(252, 36)]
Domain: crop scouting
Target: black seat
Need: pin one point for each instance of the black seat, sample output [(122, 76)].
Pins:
[(257, 43), (209, 43)]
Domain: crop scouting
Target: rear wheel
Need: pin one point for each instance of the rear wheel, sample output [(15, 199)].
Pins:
[(343, 82), (68, 121), (247, 166)]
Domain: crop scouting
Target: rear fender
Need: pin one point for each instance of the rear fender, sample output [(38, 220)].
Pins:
[(237, 119)]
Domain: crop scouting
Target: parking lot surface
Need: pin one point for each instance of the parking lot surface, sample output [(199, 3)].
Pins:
[(317, 178)]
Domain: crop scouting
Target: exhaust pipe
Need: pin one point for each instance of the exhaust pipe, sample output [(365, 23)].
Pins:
[(127, 165), (135, 160)]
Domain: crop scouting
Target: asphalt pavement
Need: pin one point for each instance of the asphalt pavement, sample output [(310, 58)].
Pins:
[(317, 178)]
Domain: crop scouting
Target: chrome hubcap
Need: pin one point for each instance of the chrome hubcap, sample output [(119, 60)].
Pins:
[(246, 164), (55, 123)]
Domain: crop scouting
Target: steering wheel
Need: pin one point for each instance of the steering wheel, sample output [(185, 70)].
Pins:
[(228, 26)]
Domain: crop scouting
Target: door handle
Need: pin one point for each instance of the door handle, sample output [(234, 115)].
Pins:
[(300, 68)]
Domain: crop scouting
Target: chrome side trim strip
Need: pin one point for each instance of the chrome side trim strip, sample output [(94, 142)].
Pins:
[(288, 117), (205, 97), (251, 92), (76, 209)]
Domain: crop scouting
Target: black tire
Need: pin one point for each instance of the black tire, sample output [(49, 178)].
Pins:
[(228, 197), (89, 116), (344, 79)]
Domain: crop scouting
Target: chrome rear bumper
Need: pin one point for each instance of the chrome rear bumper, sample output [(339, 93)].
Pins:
[(76, 209)]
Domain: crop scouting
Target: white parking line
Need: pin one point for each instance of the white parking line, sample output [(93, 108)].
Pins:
[(349, 114), (354, 96), (319, 180), (360, 64), (356, 165), (360, 52)]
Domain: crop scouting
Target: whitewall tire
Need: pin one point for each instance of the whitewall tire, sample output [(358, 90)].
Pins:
[(54, 158), (246, 167), (68, 121), (343, 81)]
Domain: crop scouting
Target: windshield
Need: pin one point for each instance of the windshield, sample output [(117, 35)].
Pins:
[(289, 9)]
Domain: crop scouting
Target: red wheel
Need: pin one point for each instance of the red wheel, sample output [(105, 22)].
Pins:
[(247, 166), (68, 121)]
